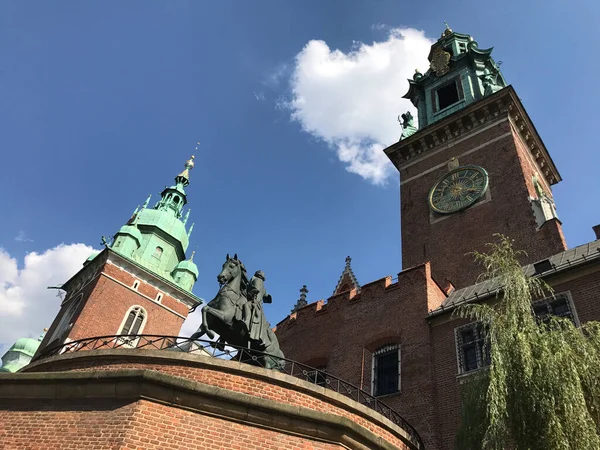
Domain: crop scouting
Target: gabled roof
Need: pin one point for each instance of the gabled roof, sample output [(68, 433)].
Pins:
[(557, 263), (348, 280)]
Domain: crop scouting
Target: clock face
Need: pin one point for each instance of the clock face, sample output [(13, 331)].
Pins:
[(458, 189)]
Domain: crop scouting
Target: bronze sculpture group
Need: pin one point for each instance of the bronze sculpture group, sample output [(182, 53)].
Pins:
[(236, 314)]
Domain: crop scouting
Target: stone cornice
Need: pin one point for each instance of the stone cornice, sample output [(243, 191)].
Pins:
[(51, 379), (470, 119), (178, 293)]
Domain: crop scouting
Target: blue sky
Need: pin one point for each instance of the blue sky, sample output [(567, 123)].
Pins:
[(102, 102)]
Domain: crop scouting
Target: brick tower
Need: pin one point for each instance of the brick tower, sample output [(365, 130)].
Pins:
[(141, 283), (474, 167)]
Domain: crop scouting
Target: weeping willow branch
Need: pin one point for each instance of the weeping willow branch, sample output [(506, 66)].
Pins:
[(542, 388)]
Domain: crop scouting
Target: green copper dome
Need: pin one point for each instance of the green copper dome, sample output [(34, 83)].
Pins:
[(20, 354), (132, 231), (188, 265), (185, 273), (27, 346), (157, 238)]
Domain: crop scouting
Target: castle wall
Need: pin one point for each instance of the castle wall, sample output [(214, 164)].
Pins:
[(342, 335)]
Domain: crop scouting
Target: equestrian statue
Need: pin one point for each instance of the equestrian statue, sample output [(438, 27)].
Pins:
[(236, 314)]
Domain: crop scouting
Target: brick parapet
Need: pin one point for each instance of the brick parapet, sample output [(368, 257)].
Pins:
[(212, 387)]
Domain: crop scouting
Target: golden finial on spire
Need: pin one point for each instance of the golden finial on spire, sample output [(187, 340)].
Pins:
[(448, 31)]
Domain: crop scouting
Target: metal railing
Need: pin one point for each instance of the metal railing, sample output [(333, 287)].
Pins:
[(232, 352)]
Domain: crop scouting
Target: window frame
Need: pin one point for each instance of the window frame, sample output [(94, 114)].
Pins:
[(547, 301), (389, 348), (568, 299), (158, 252), (132, 342), (479, 349), (435, 97)]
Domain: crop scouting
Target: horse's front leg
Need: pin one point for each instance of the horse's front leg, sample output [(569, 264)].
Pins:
[(213, 312), (203, 329)]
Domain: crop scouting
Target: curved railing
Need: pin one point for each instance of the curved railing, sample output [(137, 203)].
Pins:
[(211, 348)]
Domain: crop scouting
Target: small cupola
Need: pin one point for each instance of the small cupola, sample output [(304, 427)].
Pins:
[(127, 240), (459, 74), (186, 273)]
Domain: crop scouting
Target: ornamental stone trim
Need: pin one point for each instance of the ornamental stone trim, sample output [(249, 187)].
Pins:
[(505, 102)]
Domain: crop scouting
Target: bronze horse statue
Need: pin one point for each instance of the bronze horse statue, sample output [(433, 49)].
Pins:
[(225, 316)]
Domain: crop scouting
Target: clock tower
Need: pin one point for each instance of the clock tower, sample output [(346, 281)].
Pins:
[(474, 166)]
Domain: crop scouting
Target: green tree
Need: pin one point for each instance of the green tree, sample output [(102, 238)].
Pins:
[(542, 388)]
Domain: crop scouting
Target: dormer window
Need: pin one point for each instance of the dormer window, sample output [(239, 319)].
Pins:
[(447, 95), (462, 47)]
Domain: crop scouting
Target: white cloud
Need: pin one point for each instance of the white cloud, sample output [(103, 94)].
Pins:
[(352, 100), (192, 323), (26, 305), (22, 237)]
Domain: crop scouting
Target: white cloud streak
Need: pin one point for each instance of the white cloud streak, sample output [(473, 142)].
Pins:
[(352, 100), (22, 237)]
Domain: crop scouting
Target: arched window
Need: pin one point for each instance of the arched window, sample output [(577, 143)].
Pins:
[(158, 251), (134, 321), (176, 199), (65, 323)]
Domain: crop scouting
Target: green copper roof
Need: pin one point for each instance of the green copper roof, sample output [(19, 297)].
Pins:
[(189, 265), (459, 74), (27, 346), (19, 354), (156, 238)]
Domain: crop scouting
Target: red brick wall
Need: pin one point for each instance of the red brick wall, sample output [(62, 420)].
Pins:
[(107, 305), (234, 382), (141, 425), (106, 302), (344, 333), (150, 425), (446, 242)]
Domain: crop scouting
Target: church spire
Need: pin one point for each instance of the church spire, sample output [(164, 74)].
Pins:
[(184, 177), (174, 198)]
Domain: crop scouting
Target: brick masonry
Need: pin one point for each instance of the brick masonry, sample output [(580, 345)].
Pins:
[(99, 304), (445, 241), (190, 402), (342, 333)]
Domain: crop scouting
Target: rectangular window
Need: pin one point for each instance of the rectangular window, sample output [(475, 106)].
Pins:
[(559, 305), (447, 95), (471, 346), (471, 343), (386, 370)]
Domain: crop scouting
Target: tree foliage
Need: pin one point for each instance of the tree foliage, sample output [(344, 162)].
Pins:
[(542, 388)]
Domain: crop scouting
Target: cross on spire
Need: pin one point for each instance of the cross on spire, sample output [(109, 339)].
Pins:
[(302, 300)]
